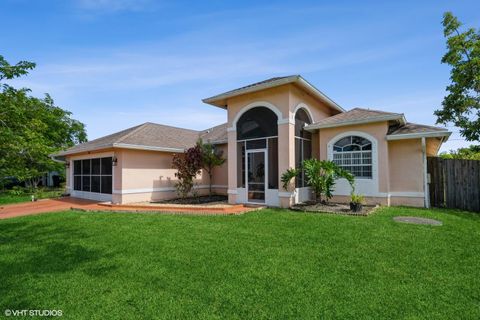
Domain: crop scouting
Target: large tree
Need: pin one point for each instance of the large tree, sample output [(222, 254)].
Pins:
[(462, 104), (31, 128)]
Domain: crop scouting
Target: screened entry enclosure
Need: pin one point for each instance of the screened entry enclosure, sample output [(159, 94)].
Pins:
[(257, 154), (92, 178)]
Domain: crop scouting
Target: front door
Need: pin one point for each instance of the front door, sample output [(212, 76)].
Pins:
[(256, 175)]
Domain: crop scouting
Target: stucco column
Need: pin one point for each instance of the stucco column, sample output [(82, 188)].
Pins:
[(68, 179), (286, 160), (232, 166), (117, 171)]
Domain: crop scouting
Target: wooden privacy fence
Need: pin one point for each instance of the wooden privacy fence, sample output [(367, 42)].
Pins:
[(454, 183)]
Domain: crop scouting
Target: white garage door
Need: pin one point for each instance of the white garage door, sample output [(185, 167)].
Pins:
[(92, 179)]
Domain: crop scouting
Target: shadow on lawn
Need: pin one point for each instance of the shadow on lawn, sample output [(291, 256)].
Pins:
[(37, 252)]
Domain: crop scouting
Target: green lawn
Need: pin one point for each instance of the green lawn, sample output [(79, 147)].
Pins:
[(261, 265), (7, 198)]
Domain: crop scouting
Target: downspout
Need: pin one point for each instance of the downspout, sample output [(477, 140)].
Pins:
[(425, 174)]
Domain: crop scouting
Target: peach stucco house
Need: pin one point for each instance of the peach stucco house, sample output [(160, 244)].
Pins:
[(272, 126)]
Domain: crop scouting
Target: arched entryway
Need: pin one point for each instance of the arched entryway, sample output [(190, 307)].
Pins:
[(257, 153)]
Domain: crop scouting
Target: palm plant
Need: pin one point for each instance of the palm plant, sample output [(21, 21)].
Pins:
[(287, 176), (320, 176)]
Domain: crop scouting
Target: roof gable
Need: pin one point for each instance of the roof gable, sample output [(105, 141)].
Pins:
[(220, 100)]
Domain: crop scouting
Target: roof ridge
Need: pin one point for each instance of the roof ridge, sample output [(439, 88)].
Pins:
[(109, 135), (374, 110), (169, 126), (131, 132)]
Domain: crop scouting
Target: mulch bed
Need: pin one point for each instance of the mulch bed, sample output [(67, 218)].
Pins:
[(335, 208), (195, 200)]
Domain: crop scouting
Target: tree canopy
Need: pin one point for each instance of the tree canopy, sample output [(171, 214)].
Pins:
[(470, 153), (461, 106), (31, 128)]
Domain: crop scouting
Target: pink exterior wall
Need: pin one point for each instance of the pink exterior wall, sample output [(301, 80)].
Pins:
[(148, 175), (433, 145), (146, 169), (406, 165), (278, 96), (318, 110)]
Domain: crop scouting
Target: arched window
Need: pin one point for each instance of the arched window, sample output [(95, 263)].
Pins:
[(257, 129), (259, 122), (354, 154), (303, 144)]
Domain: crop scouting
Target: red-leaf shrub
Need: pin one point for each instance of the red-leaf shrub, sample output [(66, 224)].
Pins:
[(188, 165)]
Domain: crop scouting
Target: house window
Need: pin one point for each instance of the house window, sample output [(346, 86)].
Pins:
[(93, 175), (303, 144), (354, 154)]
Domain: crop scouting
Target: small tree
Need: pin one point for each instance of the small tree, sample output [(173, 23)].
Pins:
[(188, 165), (211, 158), (320, 176)]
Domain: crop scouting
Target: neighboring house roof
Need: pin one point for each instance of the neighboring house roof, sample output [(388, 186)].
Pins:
[(356, 116), (152, 136), (413, 130), (220, 100)]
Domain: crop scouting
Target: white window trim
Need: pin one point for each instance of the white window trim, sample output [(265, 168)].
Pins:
[(307, 109), (365, 186), (256, 104)]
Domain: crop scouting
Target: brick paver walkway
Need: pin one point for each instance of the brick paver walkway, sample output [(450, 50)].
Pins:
[(67, 203), (42, 206)]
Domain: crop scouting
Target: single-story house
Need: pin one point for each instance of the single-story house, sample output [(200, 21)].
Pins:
[(271, 126)]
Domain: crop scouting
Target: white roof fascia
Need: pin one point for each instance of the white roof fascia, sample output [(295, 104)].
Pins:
[(143, 147), (431, 134), (66, 153)]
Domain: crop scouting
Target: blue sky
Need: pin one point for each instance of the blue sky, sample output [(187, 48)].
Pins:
[(116, 64)]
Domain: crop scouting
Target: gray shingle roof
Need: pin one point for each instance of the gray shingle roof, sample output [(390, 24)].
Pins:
[(215, 134), (152, 136), (413, 128), (356, 116)]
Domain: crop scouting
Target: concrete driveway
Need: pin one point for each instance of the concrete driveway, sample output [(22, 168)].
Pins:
[(42, 206)]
